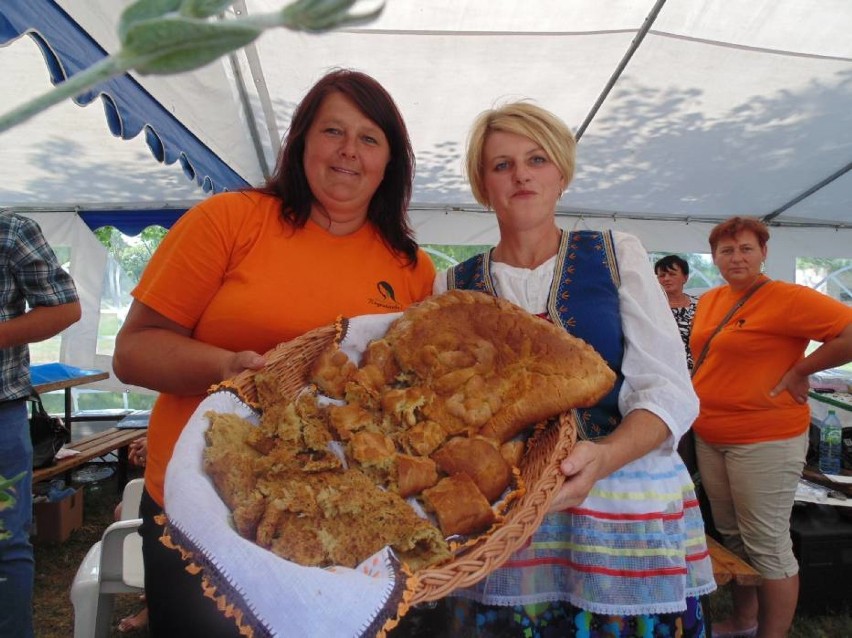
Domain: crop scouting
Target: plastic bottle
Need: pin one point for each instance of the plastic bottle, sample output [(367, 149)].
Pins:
[(829, 444)]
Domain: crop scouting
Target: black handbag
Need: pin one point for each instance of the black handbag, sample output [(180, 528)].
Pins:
[(48, 434)]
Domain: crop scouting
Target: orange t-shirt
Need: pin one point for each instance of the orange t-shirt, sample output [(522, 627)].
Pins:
[(748, 357), (241, 278)]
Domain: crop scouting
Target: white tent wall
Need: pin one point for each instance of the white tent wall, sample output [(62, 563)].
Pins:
[(79, 342), (87, 267)]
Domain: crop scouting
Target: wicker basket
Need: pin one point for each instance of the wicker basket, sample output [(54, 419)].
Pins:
[(291, 362)]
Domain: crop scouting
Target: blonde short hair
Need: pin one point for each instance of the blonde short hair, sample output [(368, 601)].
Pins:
[(520, 118)]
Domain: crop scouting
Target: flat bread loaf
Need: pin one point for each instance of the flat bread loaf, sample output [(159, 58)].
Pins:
[(495, 368)]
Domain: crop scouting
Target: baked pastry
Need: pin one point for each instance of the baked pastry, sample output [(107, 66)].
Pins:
[(302, 505), (331, 371), (480, 459), (414, 474), (495, 368), (459, 506)]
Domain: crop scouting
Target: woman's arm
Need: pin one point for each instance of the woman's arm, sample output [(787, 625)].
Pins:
[(832, 353), (656, 398), (638, 433), (155, 352)]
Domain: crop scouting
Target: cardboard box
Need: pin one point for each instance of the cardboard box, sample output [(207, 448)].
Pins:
[(53, 522)]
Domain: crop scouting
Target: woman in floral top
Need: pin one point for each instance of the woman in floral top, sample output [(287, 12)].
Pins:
[(672, 272)]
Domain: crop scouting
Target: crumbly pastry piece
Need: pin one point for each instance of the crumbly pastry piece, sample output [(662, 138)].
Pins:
[(299, 504), (423, 438), (349, 418), (331, 371), (480, 459), (414, 474), (495, 367), (459, 505)]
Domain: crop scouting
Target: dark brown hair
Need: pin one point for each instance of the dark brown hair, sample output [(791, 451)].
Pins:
[(670, 263), (734, 226), (388, 208)]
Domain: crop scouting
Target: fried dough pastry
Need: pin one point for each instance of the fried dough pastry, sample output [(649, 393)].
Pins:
[(496, 368), (459, 505), (349, 418), (422, 439), (331, 371), (228, 459), (302, 505), (480, 459), (414, 474), (342, 518)]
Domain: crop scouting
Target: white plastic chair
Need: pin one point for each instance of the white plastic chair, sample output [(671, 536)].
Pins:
[(112, 566)]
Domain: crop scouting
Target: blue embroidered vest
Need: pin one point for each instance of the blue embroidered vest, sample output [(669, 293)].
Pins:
[(583, 300)]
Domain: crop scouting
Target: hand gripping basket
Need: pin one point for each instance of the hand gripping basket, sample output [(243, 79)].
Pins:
[(291, 363)]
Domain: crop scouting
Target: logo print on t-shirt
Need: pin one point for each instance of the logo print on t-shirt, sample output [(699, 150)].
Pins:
[(387, 297)]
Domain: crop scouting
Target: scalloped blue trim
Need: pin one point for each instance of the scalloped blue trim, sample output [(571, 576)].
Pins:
[(128, 108)]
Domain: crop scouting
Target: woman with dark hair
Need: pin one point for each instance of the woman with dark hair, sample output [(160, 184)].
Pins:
[(672, 273), (387, 204), (241, 272), (751, 374)]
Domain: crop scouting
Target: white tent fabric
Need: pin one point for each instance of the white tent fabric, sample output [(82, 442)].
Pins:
[(687, 112), (727, 107)]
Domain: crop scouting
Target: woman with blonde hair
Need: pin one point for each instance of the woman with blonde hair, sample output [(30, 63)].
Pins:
[(622, 551)]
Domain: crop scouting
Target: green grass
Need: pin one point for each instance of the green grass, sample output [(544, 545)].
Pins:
[(829, 625)]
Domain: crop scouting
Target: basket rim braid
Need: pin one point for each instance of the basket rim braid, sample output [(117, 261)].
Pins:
[(291, 363)]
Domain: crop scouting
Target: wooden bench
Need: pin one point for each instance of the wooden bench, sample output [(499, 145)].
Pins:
[(728, 567), (93, 447)]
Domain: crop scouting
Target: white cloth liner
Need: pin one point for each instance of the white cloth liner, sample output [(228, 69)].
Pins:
[(286, 598)]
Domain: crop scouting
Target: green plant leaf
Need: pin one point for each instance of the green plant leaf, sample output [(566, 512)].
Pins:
[(322, 15), (145, 10), (175, 44), (158, 38), (204, 8)]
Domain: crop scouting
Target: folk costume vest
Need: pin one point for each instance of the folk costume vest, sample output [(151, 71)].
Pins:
[(586, 270)]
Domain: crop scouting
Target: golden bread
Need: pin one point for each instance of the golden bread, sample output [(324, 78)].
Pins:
[(495, 368)]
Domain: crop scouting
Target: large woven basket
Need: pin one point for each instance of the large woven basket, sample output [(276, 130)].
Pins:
[(291, 363)]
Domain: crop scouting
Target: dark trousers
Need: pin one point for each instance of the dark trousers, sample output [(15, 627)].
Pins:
[(177, 606)]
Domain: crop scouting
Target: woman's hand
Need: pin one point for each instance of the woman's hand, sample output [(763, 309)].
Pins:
[(834, 352), (137, 452), (638, 433), (581, 469), (796, 384), (241, 361)]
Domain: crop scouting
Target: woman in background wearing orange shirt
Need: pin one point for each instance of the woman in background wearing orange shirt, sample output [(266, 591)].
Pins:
[(753, 425)]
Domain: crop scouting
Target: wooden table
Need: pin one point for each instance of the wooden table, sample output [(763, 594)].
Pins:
[(728, 567), (812, 474), (92, 447), (63, 377)]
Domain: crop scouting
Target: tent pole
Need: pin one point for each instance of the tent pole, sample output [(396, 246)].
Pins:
[(262, 93), (813, 189), (634, 46)]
